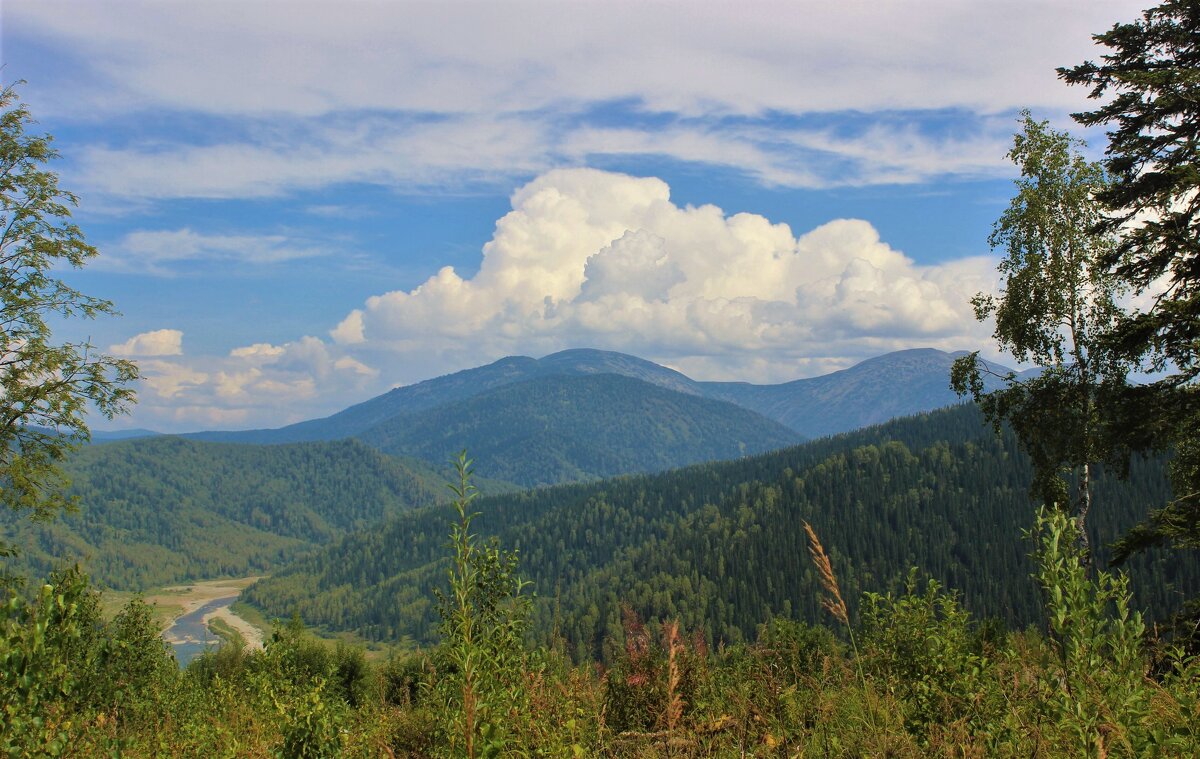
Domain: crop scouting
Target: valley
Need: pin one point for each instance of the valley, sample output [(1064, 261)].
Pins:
[(610, 380), (189, 610), (352, 531), (720, 546), (161, 509)]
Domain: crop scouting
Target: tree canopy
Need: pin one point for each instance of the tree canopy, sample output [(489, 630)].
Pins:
[(1057, 301), (46, 388), (1149, 87)]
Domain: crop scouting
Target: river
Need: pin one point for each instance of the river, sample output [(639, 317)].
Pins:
[(190, 636)]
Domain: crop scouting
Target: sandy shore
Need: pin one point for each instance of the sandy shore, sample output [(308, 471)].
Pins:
[(188, 598), (252, 635), (184, 599)]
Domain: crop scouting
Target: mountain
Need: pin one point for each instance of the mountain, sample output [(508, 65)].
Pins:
[(563, 428), (721, 547), (459, 386), (874, 391), (882, 388), (112, 436), (165, 509)]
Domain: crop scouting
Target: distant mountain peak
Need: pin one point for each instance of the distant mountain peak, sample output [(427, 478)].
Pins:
[(874, 390)]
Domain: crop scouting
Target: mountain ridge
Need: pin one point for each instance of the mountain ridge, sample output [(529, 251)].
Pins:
[(721, 546), (562, 428), (813, 407)]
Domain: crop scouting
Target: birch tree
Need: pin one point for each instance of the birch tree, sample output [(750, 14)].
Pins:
[(1057, 301)]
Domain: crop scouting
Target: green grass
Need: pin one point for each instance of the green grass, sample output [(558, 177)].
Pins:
[(255, 617), (227, 634)]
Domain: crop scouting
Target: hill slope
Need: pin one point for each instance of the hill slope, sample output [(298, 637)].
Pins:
[(872, 392), (721, 546), (164, 509), (882, 388), (557, 429)]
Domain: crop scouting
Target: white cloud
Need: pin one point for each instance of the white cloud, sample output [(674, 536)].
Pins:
[(595, 258), (895, 152), (167, 380), (259, 353), (276, 58), (347, 364), (350, 330), (254, 385), (159, 252), (159, 342), (637, 264), (454, 153), (377, 150), (446, 96)]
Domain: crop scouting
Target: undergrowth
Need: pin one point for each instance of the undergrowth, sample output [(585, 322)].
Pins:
[(912, 676)]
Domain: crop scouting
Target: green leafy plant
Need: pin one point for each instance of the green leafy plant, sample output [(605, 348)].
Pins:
[(313, 727), (920, 647), (36, 672), (46, 388), (483, 629), (1100, 695)]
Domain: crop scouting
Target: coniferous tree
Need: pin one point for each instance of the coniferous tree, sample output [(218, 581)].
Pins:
[(1150, 82)]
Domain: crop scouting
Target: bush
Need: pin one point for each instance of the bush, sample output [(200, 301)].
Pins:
[(920, 648)]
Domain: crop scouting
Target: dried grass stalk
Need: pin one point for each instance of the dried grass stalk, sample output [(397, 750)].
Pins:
[(674, 674), (832, 601)]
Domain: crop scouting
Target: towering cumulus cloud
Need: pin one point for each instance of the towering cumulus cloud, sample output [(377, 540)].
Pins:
[(588, 257)]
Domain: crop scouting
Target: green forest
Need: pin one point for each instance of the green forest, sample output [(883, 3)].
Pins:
[(565, 429), (162, 510), (1014, 576), (721, 547)]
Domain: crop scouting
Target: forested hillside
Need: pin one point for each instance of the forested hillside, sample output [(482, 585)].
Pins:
[(423, 396), (559, 429), (721, 546), (165, 509), (873, 391)]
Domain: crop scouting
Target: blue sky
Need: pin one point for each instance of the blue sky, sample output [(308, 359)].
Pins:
[(300, 205)]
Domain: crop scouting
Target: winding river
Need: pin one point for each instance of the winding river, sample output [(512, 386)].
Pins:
[(190, 636)]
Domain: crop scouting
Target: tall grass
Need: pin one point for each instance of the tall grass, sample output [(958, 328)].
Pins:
[(917, 678)]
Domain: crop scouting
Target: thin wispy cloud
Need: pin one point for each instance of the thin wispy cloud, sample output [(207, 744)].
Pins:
[(454, 57), (160, 252), (421, 96)]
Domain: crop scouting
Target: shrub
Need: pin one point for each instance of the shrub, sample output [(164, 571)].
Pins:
[(920, 648), (480, 660)]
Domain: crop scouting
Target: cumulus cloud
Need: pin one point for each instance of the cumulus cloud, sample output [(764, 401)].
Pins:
[(159, 342), (350, 330), (594, 258), (259, 353), (587, 257), (167, 380), (260, 384)]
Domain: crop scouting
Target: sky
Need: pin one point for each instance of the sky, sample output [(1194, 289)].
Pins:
[(301, 205)]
